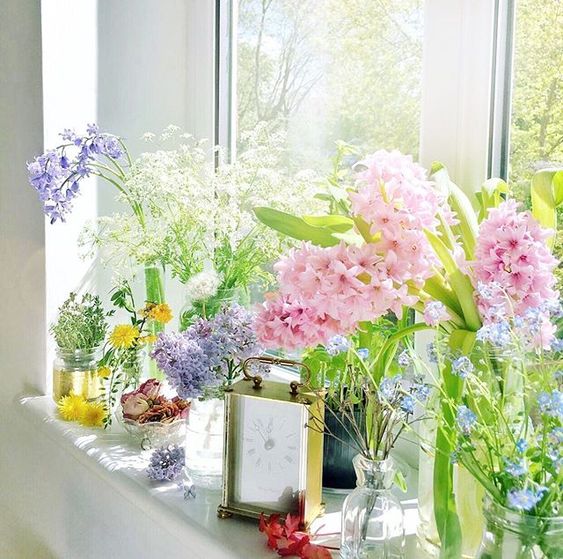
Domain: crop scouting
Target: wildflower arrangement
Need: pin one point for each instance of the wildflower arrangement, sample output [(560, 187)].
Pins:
[(373, 410), (74, 407), (508, 428), (184, 198), (81, 323), (209, 355), (121, 359)]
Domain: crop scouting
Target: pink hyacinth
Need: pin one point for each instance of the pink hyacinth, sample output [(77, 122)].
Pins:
[(348, 284), (397, 201), (513, 266), (285, 322)]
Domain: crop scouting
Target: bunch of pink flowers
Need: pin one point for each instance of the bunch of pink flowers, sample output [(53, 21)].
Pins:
[(328, 291), (513, 265)]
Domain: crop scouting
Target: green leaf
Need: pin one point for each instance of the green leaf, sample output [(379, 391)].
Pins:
[(436, 288), (400, 481), (339, 223), (467, 227), (547, 194), (461, 284), (295, 227), (491, 195)]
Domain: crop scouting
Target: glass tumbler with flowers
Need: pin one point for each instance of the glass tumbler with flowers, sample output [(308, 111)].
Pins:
[(199, 363)]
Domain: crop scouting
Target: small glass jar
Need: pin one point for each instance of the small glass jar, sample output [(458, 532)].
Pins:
[(509, 534), (76, 372), (372, 517)]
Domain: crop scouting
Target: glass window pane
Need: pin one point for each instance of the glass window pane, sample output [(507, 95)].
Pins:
[(536, 132), (327, 70)]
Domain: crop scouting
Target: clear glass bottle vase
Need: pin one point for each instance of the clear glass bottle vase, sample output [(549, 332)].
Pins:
[(510, 534), (76, 372), (372, 517), (204, 442)]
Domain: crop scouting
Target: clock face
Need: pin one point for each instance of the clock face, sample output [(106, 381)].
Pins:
[(269, 452)]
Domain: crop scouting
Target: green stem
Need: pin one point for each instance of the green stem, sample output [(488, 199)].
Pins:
[(154, 289)]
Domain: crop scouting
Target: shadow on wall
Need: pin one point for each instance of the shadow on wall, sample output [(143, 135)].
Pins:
[(20, 542)]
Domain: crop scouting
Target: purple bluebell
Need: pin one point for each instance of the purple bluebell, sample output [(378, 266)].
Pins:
[(55, 175), (462, 367), (465, 419), (166, 464)]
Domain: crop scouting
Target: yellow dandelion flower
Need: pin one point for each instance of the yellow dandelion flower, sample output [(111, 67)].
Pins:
[(93, 415), (149, 339), (161, 313), (71, 407), (104, 372), (124, 336)]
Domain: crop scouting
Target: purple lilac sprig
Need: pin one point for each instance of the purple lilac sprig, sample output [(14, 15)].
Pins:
[(209, 354), (56, 174), (186, 365), (166, 464)]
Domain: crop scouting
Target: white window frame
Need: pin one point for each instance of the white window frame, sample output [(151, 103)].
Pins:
[(466, 83)]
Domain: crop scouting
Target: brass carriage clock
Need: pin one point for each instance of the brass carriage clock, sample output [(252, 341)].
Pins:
[(272, 458)]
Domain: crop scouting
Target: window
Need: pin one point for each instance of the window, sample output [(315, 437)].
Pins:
[(536, 126), (318, 72)]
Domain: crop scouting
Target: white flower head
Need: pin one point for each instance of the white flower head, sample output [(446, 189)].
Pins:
[(203, 285), (148, 137)]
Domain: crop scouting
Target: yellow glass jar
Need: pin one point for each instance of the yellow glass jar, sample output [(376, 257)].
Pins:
[(76, 372)]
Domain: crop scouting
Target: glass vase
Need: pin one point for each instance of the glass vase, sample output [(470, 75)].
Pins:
[(208, 308), (154, 293), (76, 372), (469, 499), (372, 517), (512, 535), (204, 442)]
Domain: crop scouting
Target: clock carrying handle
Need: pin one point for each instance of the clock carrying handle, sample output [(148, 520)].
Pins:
[(257, 379)]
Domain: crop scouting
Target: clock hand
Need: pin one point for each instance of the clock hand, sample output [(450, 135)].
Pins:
[(259, 430)]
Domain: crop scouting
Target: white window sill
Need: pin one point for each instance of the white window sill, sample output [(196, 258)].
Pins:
[(114, 457)]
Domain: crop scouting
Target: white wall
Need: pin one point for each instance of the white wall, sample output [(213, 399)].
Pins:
[(22, 261), (132, 66)]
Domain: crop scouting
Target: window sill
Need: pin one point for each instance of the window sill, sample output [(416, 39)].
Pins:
[(115, 459)]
